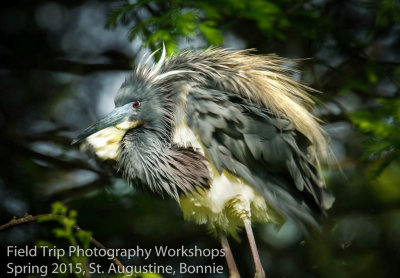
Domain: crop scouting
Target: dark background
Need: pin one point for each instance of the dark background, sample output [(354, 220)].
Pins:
[(62, 62)]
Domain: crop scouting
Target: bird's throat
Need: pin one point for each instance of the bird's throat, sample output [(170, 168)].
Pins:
[(106, 142)]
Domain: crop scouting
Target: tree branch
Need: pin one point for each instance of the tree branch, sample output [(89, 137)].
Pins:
[(74, 67)]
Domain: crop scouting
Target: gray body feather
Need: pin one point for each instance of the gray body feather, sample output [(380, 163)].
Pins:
[(266, 151), (252, 121)]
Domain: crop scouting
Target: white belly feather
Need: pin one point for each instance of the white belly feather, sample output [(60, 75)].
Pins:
[(228, 200)]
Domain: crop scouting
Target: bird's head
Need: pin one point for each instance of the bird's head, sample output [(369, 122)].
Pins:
[(139, 107)]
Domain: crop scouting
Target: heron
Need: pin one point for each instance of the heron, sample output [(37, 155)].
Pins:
[(226, 133)]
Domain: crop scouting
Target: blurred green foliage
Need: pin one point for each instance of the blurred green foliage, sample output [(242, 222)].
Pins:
[(67, 220), (65, 229), (382, 129)]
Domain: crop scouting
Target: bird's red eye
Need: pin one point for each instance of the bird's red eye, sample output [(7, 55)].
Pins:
[(136, 104)]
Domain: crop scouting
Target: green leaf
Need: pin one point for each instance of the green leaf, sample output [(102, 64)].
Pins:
[(151, 275), (45, 218), (61, 233), (44, 243), (69, 223), (72, 214), (211, 34), (84, 237), (58, 208), (185, 23)]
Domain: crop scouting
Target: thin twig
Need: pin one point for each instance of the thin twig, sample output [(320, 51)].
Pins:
[(17, 221), (100, 245), (27, 218)]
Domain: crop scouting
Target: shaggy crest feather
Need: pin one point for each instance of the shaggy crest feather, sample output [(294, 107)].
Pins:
[(263, 79)]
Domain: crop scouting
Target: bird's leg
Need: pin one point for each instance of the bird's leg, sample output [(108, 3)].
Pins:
[(233, 271), (254, 251)]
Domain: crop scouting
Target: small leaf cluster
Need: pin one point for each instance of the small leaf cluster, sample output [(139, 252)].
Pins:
[(157, 22), (66, 230), (381, 126)]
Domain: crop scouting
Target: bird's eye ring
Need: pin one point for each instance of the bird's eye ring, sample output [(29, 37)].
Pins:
[(136, 104)]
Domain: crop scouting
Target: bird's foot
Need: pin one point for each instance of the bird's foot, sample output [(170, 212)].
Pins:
[(260, 274)]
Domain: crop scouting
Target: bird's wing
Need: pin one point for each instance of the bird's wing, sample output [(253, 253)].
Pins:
[(265, 151)]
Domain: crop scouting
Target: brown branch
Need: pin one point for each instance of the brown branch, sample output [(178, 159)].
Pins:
[(57, 161), (17, 221), (100, 245), (64, 65), (19, 142), (27, 218)]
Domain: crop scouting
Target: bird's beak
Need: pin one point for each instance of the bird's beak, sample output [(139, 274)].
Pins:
[(119, 118)]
